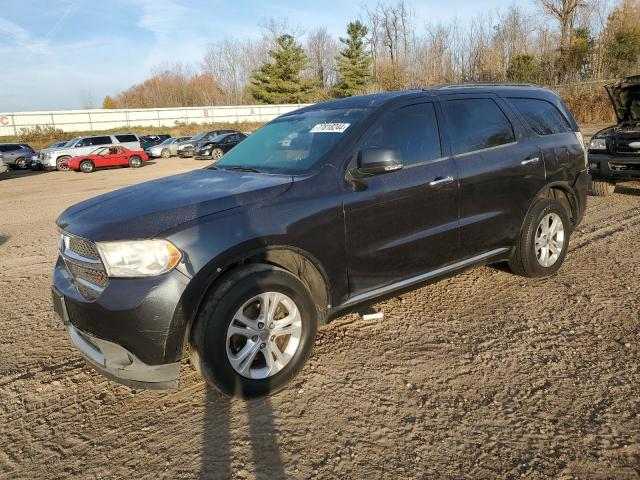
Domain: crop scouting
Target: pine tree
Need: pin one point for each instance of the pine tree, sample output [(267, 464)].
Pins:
[(353, 62), (280, 81)]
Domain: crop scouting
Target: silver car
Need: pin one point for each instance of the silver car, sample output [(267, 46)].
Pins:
[(17, 155), (166, 149)]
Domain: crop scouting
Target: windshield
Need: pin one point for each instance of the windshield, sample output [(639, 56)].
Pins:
[(72, 142), (199, 136), (168, 141), (293, 143), (219, 138)]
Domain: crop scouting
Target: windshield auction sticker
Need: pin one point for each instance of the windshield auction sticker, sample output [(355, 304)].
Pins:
[(330, 128)]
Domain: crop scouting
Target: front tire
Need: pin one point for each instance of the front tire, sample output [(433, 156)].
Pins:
[(165, 153), (87, 166), (602, 187), (135, 162), (217, 154), (254, 332), (60, 165), (21, 163), (543, 241)]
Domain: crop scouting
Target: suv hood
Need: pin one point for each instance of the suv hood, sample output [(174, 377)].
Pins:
[(625, 97), (148, 209)]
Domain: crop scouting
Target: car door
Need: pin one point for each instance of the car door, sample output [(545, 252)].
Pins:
[(230, 142), (404, 223), (500, 171)]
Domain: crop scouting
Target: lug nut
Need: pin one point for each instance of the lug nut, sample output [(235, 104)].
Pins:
[(260, 325), (271, 326), (262, 345), (254, 338)]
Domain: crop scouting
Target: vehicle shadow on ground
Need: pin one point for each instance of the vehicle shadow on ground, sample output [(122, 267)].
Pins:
[(11, 174), (216, 456), (4, 239)]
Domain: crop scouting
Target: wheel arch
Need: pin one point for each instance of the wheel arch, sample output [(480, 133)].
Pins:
[(563, 193), (292, 259)]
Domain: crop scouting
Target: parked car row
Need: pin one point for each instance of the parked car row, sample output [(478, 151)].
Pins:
[(87, 153)]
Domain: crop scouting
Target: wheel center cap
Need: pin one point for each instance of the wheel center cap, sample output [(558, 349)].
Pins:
[(264, 335)]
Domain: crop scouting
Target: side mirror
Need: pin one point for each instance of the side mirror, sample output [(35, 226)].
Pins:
[(377, 160)]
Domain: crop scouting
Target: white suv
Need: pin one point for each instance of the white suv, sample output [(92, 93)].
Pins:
[(53, 157)]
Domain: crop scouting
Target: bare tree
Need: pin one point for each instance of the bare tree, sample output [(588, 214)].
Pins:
[(322, 49)]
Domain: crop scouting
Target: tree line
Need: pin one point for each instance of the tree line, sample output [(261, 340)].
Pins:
[(554, 43)]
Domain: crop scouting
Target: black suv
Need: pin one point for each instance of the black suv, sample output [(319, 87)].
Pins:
[(614, 152), (323, 210)]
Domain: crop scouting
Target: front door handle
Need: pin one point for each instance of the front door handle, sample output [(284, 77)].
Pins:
[(531, 161), (441, 181)]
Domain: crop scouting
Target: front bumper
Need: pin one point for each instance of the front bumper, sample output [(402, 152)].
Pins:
[(153, 154), (187, 152), (614, 167), (133, 332), (206, 155)]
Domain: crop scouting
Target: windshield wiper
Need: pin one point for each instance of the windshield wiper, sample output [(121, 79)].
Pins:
[(240, 168)]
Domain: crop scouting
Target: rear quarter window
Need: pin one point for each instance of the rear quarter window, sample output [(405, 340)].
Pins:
[(477, 124), (101, 140), (126, 138), (543, 117)]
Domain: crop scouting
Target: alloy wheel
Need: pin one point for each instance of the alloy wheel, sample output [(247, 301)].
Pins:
[(549, 241), (264, 335)]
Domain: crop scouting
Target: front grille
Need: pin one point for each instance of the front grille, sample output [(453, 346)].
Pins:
[(95, 276), (83, 248), (85, 266)]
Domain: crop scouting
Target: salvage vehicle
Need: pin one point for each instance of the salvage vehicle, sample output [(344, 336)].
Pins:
[(155, 139), (107, 157), (185, 149), (322, 211), (166, 149), (614, 152), (215, 148), (16, 155), (56, 158), (3, 166)]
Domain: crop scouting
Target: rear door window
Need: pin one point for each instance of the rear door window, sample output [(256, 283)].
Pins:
[(476, 124), (542, 116), (101, 140), (126, 138), (412, 130)]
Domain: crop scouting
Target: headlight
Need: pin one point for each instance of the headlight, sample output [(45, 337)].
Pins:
[(207, 147), (139, 258), (598, 144)]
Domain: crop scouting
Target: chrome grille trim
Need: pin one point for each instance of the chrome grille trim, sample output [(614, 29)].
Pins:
[(83, 262)]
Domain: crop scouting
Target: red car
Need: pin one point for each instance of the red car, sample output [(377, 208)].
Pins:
[(107, 157)]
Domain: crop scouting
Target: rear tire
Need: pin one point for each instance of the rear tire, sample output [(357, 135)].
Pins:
[(602, 187), (87, 166), (540, 250), (215, 343), (135, 161)]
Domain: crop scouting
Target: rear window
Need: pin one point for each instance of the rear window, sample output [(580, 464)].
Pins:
[(100, 140), (126, 138), (542, 116), (476, 124)]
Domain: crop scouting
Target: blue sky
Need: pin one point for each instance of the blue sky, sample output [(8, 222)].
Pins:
[(55, 54)]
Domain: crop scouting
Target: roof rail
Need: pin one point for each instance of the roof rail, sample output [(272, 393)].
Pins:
[(480, 85)]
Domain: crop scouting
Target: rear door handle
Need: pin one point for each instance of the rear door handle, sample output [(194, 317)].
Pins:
[(531, 161), (441, 181)]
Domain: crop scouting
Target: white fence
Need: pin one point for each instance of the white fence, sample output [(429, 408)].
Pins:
[(98, 119)]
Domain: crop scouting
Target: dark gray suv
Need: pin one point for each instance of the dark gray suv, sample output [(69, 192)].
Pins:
[(324, 210)]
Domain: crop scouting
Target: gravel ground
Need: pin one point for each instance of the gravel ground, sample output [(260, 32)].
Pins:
[(485, 375)]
